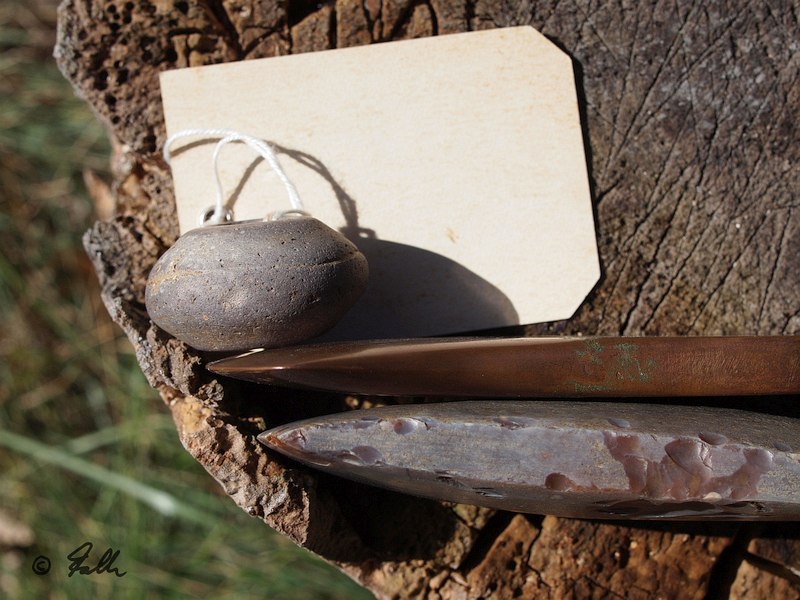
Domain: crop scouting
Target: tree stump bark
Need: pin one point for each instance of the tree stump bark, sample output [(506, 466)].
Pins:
[(690, 113)]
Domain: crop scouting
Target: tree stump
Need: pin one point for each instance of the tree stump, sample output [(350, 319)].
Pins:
[(690, 116)]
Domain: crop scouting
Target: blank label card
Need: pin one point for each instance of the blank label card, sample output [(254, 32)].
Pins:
[(455, 163)]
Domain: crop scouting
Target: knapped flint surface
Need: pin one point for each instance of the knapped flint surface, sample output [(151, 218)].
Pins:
[(595, 460), (689, 112)]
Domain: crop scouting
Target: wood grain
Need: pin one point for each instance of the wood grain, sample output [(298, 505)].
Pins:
[(689, 113)]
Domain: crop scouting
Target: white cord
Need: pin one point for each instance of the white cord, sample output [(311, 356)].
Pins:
[(220, 214)]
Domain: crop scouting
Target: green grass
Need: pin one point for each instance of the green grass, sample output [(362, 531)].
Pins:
[(87, 449)]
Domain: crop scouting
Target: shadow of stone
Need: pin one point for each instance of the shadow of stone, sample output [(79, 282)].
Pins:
[(413, 292)]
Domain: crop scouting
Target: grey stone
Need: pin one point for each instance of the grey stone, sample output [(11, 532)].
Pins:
[(255, 284)]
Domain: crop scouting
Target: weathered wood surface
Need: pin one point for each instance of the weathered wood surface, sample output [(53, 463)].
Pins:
[(690, 114)]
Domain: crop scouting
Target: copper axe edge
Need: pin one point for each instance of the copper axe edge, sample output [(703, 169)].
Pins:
[(545, 367)]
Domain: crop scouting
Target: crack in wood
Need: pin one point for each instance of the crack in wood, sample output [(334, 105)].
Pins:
[(723, 573), (487, 536), (779, 570), (219, 15)]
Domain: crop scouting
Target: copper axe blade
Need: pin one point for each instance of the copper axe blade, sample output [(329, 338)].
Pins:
[(572, 459), (533, 367)]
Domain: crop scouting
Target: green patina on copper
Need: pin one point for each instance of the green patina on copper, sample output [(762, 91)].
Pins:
[(625, 366), (628, 367), (582, 388), (591, 351)]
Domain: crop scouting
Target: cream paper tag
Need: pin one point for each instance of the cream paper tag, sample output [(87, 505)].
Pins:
[(455, 163)]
